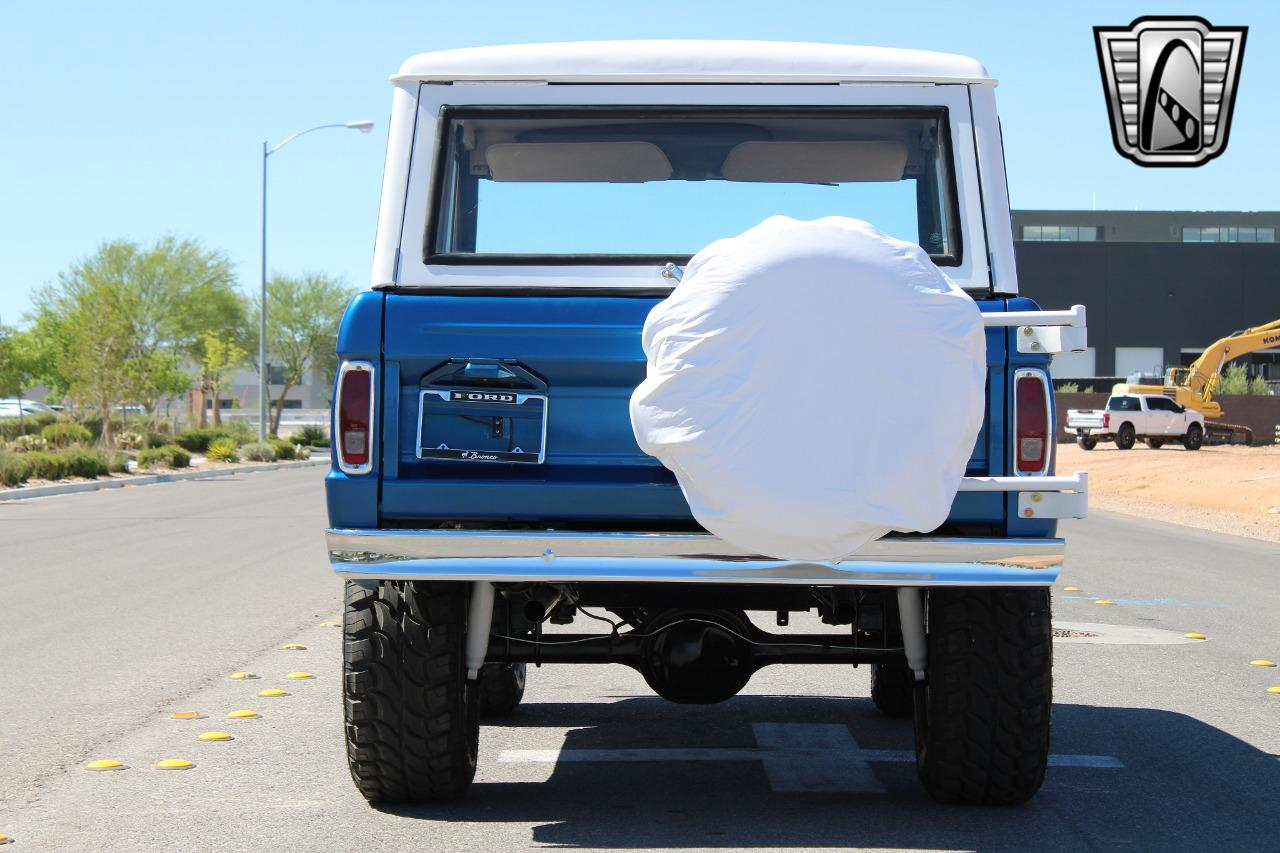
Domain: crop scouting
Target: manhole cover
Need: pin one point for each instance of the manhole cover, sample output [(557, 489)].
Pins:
[(1065, 633)]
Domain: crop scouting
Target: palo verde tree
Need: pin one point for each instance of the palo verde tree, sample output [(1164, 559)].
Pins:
[(21, 362), (220, 354), (302, 329), (160, 301)]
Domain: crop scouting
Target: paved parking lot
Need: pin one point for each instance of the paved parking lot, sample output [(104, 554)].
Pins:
[(124, 606)]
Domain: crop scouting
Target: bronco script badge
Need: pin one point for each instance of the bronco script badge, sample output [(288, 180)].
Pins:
[(1170, 85)]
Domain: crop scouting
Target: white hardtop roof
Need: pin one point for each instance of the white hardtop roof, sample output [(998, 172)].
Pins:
[(692, 61)]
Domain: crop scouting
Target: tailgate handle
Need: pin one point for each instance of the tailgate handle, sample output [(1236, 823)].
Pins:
[(483, 372)]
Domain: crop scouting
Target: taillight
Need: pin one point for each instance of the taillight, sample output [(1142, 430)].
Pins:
[(1106, 420), (353, 417), (1031, 417)]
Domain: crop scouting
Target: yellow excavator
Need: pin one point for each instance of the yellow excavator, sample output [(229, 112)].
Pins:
[(1192, 387)]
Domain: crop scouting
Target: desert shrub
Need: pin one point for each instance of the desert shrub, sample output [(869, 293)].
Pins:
[(312, 434), (116, 462), (11, 428), (284, 449), (152, 440), (93, 423), (1068, 387), (198, 440), (13, 469), (84, 463), (24, 443), (258, 451), (44, 465), (242, 431), (222, 450), (66, 434), (1235, 380), (130, 440), (168, 456)]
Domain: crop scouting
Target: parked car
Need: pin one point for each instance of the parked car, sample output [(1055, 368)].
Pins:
[(9, 408), (1153, 418), (485, 477)]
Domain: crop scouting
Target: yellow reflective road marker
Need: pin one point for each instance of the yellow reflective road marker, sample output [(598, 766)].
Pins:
[(105, 764), (1261, 662), (1275, 689), (1071, 589), (330, 624), (214, 736), (174, 764), (272, 691), (242, 715), (4, 839), (241, 676), (186, 715), (1194, 635), (294, 647), (299, 675), (1103, 601)]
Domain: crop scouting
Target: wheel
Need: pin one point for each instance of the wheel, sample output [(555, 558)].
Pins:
[(1086, 442), (1194, 437), (982, 715), (1125, 437), (501, 688), (1154, 443), (893, 689), (411, 715)]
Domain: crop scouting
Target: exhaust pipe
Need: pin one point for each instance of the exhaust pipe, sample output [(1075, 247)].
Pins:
[(541, 601)]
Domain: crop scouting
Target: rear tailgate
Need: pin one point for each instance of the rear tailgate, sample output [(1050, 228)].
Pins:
[(1085, 419), (583, 355)]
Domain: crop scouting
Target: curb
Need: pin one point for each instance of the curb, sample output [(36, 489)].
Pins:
[(150, 479)]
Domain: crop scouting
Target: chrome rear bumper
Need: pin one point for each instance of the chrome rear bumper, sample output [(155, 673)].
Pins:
[(514, 556), (561, 557)]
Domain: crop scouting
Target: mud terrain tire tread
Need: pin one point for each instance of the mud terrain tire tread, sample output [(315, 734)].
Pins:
[(982, 719), (412, 731), (1194, 437)]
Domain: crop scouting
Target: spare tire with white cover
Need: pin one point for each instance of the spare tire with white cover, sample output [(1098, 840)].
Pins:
[(813, 385)]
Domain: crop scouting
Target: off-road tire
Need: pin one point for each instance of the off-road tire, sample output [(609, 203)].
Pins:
[(1154, 443), (1194, 437), (411, 723), (1125, 437), (501, 688), (982, 716), (1086, 442), (893, 689)]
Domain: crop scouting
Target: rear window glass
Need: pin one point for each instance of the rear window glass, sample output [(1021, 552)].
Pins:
[(1124, 404), (659, 183)]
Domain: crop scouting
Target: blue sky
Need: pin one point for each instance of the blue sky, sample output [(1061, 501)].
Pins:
[(139, 119)]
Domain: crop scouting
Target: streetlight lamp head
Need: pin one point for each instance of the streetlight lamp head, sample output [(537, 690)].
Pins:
[(364, 125)]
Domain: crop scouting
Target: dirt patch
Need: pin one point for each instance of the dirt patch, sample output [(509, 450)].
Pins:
[(1228, 489)]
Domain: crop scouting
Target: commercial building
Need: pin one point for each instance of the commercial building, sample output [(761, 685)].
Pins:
[(1159, 286)]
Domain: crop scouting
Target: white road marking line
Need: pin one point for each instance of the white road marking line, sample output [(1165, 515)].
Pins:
[(796, 757)]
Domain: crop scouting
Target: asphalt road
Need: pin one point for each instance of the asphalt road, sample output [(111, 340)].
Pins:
[(124, 605)]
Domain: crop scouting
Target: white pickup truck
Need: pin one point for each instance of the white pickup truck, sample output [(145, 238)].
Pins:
[(1129, 417)]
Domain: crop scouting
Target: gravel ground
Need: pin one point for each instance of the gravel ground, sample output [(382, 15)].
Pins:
[(1227, 489)]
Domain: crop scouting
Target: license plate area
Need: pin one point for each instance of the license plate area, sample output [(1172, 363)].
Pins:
[(482, 425)]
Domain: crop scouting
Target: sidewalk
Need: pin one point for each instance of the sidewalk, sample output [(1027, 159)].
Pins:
[(150, 479)]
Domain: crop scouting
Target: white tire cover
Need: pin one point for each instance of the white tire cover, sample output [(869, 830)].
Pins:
[(813, 385)]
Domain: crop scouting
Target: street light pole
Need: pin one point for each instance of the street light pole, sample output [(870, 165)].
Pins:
[(262, 310), (363, 126)]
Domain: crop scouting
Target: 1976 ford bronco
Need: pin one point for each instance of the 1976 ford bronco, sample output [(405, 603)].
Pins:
[(538, 201)]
